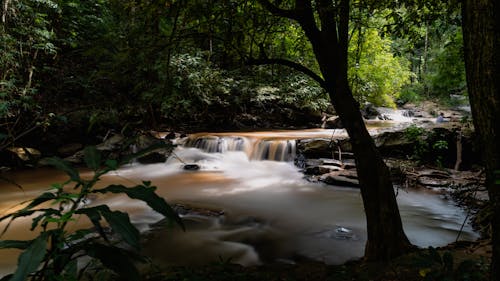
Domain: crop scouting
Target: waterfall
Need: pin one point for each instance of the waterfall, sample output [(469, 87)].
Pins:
[(278, 150), (255, 148)]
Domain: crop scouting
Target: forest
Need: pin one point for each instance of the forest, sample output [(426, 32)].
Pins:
[(100, 80)]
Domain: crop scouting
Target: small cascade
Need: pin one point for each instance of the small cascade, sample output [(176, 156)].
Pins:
[(278, 150), (255, 148), (397, 115), (214, 144)]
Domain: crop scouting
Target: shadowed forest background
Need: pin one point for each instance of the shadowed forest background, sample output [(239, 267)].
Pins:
[(79, 77)]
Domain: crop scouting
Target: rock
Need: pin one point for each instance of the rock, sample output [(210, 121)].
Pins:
[(69, 149), (111, 143), (347, 178), (315, 148), (323, 148), (153, 157), (321, 169), (430, 181), (76, 158), (394, 143), (333, 122), (25, 153), (144, 141), (409, 113), (369, 111)]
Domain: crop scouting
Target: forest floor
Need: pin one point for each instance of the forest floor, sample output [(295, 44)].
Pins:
[(457, 261)]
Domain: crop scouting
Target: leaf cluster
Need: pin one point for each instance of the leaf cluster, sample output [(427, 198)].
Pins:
[(442, 266), (54, 253)]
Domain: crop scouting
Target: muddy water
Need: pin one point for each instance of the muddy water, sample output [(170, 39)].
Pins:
[(266, 211)]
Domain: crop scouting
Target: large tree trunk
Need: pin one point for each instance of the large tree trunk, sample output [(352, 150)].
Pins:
[(386, 238), (481, 29)]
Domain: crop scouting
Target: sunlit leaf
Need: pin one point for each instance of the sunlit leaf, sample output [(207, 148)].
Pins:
[(424, 271)]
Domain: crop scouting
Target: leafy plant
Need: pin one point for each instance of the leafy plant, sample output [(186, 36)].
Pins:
[(427, 146), (436, 266), (53, 254), (416, 135)]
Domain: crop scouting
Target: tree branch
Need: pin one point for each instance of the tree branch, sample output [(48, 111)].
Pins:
[(297, 66), (275, 10)]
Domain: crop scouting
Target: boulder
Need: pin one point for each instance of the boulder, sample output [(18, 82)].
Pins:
[(394, 143), (348, 178), (111, 143), (324, 148), (25, 154), (333, 122), (315, 148), (69, 149), (153, 157), (369, 111), (321, 169)]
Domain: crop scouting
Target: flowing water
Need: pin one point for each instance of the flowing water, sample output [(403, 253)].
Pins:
[(244, 206)]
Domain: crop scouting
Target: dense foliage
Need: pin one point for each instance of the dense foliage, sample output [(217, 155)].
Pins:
[(66, 64)]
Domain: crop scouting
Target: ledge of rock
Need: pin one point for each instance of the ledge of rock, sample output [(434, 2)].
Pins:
[(348, 178)]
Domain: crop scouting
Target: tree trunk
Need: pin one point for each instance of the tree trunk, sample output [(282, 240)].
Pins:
[(481, 30), (386, 238)]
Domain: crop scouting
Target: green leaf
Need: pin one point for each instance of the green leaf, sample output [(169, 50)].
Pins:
[(14, 244), (448, 261), (46, 196), (31, 258), (93, 213), (71, 269), (92, 157), (47, 213), (111, 164), (115, 259), (81, 234), (148, 195), (64, 166), (18, 214), (120, 223)]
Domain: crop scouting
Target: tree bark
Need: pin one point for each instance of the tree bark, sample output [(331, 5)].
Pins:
[(386, 238), (481, 30)]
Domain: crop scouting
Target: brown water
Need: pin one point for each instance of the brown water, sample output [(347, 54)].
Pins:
[(270, 212)]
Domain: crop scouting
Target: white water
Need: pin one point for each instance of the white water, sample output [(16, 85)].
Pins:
[(270, 212)]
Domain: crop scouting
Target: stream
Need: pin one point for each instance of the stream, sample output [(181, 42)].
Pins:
[(248, 204)]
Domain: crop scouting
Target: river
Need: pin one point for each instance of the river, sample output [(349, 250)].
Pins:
[(263, 210)]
